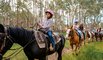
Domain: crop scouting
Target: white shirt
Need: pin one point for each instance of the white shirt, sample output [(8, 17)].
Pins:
[(75, 26), (46, 23)]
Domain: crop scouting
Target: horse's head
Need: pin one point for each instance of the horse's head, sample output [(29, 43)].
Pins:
[(72, 31), (2, 35)]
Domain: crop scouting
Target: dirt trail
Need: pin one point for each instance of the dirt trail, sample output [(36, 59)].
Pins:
[(54, 56)]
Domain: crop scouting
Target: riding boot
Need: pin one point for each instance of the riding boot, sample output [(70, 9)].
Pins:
[(51, 47)]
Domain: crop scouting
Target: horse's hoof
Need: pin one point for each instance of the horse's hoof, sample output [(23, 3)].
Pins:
[(76, 54), (73, 53), (7, 59)]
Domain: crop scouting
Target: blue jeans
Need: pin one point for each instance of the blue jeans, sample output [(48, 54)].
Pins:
[(79, 32), (49, 33)]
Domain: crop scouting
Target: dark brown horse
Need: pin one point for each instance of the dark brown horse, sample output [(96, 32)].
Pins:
[(81, 27), (27, 39), (98, 36)]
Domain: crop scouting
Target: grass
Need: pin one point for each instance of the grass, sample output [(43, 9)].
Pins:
[(67, 44), (69, 56), (92, 51), (20, 56)]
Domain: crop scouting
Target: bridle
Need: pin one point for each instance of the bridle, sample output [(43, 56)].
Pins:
[(4, 39), (72, 31), (3, 44), (7, 36)]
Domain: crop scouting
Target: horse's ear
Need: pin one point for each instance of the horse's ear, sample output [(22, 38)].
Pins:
[(2, 28), (71, 27)]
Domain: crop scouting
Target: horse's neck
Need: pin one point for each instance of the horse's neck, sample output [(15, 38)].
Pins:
[(87, 32), (17, 37), (74, 33)]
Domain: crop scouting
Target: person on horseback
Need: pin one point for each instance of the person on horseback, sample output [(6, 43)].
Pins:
[(46, 25), (76, 26), (99, 30)]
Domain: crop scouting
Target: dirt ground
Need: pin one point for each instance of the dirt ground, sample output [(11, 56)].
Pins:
[(54, 56)]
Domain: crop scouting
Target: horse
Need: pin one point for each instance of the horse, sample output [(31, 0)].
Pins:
[(89, 35), (99, 35), (27, 40), (81, 28), (74, 39), (67, 33)]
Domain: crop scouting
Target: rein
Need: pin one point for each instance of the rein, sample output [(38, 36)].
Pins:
[(17, 50), (74, 32)]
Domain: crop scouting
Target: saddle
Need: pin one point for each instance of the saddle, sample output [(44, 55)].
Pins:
[(80, 34), (42, 38)]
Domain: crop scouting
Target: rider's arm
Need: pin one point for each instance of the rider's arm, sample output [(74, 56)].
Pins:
[(39, 24), (49, 24)]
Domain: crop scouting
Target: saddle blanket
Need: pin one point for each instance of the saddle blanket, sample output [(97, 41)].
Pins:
[(41, 38)]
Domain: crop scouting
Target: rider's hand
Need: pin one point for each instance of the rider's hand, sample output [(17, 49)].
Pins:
[(39, 25)]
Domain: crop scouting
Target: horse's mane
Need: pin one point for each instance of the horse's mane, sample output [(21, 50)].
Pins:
[(20, 32), (81, 27)]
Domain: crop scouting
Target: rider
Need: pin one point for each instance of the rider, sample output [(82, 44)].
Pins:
[(46, 24), (99, 30), (76, 26)]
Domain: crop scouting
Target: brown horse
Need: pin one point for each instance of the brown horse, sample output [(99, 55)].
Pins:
[(74, 39)]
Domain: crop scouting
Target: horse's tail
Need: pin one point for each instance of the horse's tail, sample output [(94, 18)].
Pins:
[(84, 34), (62, 40)]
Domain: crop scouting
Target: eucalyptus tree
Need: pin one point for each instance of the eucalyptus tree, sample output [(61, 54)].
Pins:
[(92, 9), (5, 10)]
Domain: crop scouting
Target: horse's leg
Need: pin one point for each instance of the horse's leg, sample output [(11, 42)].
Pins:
[(59, 54), (76, 47), (100, 38), (80, 42), (71, 45), (84, 38), (29, 56), (1, 57), (42, 58), (92, 38), (95, 36), (59, 51)]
